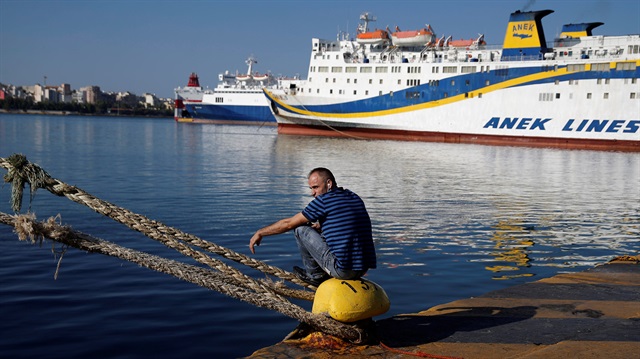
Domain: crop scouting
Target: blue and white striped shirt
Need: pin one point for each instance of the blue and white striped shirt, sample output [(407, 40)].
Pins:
[(346, 227)]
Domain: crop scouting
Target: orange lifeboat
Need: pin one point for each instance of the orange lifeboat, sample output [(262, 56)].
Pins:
[(468, 43), (420, 37), (373, 37)]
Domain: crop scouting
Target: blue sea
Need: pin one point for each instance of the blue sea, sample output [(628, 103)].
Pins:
[(450, 221)]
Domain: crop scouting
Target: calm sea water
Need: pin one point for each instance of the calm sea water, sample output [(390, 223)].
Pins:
[(450, 222)]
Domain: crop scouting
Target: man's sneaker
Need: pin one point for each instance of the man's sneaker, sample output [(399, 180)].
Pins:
[(303, 276)]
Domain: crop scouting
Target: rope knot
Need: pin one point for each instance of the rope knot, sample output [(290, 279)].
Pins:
[(20, 172)]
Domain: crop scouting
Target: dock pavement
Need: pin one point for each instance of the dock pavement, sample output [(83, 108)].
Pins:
[(589, 314)]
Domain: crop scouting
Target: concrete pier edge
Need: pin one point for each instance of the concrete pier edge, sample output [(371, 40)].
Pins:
[(589, 314)]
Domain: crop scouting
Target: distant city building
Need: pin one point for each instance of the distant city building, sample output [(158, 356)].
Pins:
[(79, 97), (150, 100), (92, 94), (89, 94)]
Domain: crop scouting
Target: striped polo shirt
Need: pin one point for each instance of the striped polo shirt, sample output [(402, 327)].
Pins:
[(346, 227)]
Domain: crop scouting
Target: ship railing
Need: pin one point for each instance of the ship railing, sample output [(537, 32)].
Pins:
[(523, 58)]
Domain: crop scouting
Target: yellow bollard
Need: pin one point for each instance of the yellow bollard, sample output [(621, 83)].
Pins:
[(350, 300)]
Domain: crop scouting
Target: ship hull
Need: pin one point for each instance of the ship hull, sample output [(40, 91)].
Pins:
[(232, 107), (503, 117)]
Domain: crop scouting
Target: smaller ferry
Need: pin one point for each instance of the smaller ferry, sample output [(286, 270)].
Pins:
[(237, 99)]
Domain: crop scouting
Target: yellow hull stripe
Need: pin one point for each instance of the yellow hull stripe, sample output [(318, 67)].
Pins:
[(431, 104)]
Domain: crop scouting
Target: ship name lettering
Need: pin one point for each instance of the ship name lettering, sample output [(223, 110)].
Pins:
[(522, 27), (517, 123), (611, 126)]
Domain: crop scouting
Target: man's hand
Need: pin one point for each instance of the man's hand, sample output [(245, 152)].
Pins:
[(255, 241)]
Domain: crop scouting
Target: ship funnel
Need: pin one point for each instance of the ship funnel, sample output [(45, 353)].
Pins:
[(578, 30), (525, 36)]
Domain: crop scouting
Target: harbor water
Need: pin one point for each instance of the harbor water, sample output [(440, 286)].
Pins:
[(450, 221)]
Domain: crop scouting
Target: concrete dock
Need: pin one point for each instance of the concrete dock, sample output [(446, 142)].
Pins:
[(590, 314)]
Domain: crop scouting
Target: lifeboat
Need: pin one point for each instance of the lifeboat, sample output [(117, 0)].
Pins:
[(259, 77), (243, 77), (468, 43), (420, 37), (373, 37)]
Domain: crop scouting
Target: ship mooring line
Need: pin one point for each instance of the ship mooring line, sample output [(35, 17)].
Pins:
[(229, 280), (27, 228)]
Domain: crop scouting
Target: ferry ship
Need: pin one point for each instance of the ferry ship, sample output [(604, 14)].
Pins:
[(237, 99), (580, 91)]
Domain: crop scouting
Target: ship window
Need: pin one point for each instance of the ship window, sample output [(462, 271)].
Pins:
[(599, 82), (453, 82), (317, 90), (606, 95), (366, 92), (355, 81), (557, 96), (622, 66), (633, 95), (606, 81), (323, 69), (379, 93), (351, 69), (600, 67), (331, 91), (348, 81), (365, 69), (435, 69), (334, 80), (370, 81), (355, 92), (336, 69), (467, 82), (589, 96), (557, 82), (487, 83), (479, 94), (399, 82), (326, 79), (381, 69)]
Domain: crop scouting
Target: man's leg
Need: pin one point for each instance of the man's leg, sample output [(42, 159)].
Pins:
[(313, 250)]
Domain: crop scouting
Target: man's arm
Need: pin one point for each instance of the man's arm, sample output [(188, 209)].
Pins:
[(283, 225)]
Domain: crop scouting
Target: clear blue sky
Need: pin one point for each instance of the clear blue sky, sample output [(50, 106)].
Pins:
[(153, 45)]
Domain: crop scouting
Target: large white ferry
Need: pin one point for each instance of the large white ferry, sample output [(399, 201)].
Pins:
[(237, 99), (580, 91)]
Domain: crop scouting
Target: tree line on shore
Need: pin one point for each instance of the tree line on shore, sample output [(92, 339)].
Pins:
[(99, 108)]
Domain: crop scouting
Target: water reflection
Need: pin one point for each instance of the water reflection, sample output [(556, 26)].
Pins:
[(513, 210)]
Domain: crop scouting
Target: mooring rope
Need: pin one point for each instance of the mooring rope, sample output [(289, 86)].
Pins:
[(21, 171), (27, 227), (326, 124)]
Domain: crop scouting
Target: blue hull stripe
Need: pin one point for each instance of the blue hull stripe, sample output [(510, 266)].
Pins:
[(449, 90), (230, 113)]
